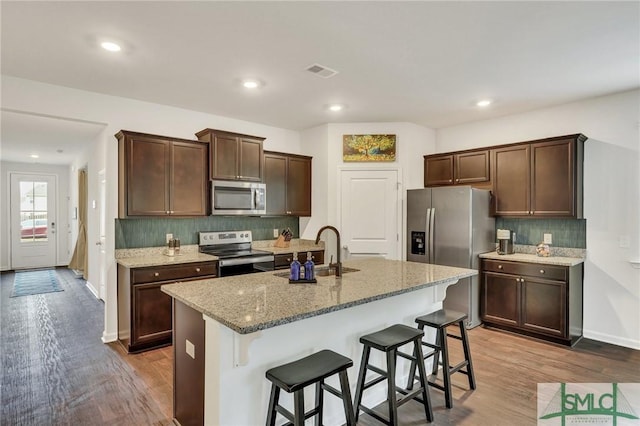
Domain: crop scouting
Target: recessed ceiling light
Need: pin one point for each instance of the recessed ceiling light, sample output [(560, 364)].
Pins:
[(484, 103), (34, 156), (335, 107), (110, 46), (251, 84)]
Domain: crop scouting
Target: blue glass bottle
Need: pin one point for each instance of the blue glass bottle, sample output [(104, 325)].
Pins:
[(309, 272), (295, 268)]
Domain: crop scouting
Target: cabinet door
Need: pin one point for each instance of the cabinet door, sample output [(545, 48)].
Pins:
[(438, 170), (275, 177), (544, 306), (298, 186), (471, 167), (151, 314), (511, 180), (224, 157), (500, 299), (250, 161), (552, 179), (148, 174), (188, 374), (189, 179)]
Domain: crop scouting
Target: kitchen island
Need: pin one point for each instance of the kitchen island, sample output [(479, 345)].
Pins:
[(229, 331)]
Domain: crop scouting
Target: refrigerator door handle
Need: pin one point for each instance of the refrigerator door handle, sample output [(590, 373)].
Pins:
[(427, 242), (432, 255)]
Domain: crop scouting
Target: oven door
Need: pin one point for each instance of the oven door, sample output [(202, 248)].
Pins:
[(240, 266)]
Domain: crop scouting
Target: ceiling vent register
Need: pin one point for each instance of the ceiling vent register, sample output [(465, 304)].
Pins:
[(321, 71)]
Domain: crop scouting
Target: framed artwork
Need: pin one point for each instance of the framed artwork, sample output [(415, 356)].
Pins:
[(368, 148)]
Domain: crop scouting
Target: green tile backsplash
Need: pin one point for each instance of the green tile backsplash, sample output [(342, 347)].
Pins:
[(570, 233), (151, 232)]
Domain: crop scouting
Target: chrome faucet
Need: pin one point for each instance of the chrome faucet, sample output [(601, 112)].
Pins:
[(338, 264)]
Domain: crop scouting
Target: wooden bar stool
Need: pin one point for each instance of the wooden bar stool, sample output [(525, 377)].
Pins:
[(388, 341), (296, 375), (440, 320)]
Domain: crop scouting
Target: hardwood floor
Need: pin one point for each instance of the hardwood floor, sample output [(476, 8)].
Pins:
[(56, 370)]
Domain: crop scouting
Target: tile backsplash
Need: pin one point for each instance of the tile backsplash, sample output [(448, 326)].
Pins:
[(151, 232), (565, 232)]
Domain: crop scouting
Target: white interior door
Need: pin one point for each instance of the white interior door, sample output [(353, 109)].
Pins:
[(101, 243), (33, 221), (370, 210)]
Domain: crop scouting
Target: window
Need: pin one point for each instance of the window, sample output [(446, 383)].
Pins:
[(33, 211)]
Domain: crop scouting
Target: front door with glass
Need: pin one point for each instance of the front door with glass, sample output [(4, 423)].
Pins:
[(33, 221)]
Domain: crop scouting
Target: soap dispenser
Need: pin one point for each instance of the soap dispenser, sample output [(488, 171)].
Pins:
[(309, 272), (295, 268)]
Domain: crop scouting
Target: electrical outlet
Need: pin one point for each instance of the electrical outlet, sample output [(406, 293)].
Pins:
[(275, 232), (547, 239), (169, 237), (190, 349)]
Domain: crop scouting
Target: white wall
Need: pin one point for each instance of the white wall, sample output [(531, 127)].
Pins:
[(611, 198), (325, 143), (63, 214), (120, 113)]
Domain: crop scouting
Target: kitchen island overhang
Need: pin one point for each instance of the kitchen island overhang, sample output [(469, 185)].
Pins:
[(255, 322)]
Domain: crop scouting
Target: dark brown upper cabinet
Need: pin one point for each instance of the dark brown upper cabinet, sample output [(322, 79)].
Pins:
[(288, 180), (160, 176), (459, 168), (234, 156), (539, 178)]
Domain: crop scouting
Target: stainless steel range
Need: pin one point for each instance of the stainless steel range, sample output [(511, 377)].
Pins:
[(234, 252)]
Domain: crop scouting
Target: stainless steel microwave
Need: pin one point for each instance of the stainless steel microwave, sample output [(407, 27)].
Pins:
[(238, 198)]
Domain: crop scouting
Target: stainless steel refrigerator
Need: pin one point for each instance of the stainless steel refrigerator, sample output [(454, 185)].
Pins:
[(451, 226)]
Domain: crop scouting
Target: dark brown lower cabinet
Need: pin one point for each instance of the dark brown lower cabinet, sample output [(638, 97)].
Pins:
[(538, 300), (144, 311), (188, 365)]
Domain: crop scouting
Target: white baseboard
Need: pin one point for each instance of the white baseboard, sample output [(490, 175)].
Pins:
[(93, 290), (614, 340), (109, 337)]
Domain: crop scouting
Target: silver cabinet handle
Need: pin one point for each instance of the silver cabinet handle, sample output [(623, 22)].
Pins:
[(499, 266), (288, 259), (156, 274), (542, 271), (197, 269)]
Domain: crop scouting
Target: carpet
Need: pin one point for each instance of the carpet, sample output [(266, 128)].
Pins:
[(35, 282)]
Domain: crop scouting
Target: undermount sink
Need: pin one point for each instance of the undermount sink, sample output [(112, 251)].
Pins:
[(325, 271), (321, 271)]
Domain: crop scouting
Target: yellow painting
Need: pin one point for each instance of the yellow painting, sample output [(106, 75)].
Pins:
[(358, 148)]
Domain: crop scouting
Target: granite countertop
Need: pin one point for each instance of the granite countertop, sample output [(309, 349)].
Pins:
[(248, 303), (161, 259), (155, 256), (295, 245), (533, 258)]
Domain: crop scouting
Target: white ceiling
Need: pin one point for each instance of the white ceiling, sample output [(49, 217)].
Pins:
[(421, 62)]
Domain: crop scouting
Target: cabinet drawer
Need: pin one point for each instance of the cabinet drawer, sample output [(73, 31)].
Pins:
[(282, 261), (552, 272), (174, 272)]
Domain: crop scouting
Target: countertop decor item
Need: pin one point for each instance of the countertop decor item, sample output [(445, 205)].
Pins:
[(543, 250)]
